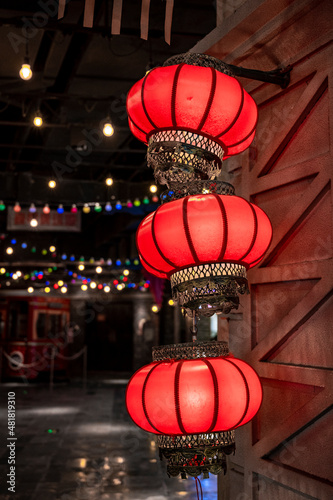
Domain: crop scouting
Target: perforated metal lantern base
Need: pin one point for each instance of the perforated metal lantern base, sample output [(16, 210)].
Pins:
[(182, 156), (196, 454), (209, 288)]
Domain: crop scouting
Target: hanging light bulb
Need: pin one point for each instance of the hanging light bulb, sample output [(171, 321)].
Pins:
[(30, 289), (108, 129), (107, 289), (34, 222), (86, 208), (32, 208), (126, 272), (47, 289), (109, 181), (129, 204), (17, 207), (38, 120), (46, 209), (2, 206), (81, 267), (155, 199), (137, 202), (52, 184), (154, 308), (52, 248), (93, 284), (84, 288), (25, 71), (63, 289), (98, 269), (60, 209), (145, 200), (97, 207), (108, 207), (153, 188), (171, 302), (118, 205), (74, 209)]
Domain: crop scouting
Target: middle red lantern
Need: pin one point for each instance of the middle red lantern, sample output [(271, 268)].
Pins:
[(205, 244)]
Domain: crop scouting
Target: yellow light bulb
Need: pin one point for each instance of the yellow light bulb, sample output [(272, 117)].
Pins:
[(84, 287), (171, 302), (52, 184), (109, 181), (47, 289), (52, 248), (153, 188), (99, 269), (25, 71), (38, 121), (107, 288), (60, 282), (126, 272), (9, 250), (63, 289), (93, 285), (34, 223), (119, 287), (30, 289), (3, 270), (108, 129), (86, 208), (154, 308), (81, 267), (18, 274)]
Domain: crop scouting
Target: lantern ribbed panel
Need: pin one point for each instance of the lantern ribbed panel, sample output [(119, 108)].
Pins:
[(179, 397), (196, 99), (203, 229)]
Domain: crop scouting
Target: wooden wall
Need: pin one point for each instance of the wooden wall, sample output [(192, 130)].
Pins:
[(284, 329)]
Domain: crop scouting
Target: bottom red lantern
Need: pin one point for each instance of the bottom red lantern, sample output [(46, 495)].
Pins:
[(193, 396)]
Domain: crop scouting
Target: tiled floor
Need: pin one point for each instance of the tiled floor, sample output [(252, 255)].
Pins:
[(93, 452)]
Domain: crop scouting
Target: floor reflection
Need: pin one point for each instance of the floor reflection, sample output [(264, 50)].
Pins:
[(74, 444)]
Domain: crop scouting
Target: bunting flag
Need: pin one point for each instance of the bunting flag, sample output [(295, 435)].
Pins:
[(88, 18)]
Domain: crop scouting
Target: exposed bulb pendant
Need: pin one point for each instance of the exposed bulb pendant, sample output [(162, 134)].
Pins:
[(25, 71), (38, 122), (108, 130)]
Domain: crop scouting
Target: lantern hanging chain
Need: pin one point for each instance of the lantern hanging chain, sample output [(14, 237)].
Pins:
[(198, 487), (194, 329)]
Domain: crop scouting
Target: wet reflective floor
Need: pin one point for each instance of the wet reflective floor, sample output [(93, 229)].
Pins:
[(81, 444)]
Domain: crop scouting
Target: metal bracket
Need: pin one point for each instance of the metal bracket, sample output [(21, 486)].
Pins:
[(278, 76)]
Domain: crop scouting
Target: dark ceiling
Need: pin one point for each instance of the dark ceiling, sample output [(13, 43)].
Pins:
[(80, 76)]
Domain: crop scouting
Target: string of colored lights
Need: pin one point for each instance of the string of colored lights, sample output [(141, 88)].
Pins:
[(86, 207), (80, 261), (42, 281)]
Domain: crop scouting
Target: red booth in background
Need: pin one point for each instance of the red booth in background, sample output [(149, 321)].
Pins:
[(32, 331)]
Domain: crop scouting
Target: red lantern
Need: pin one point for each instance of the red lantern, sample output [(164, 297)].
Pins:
[(204, 244), (196, 99), (191, 112), (194, 396)]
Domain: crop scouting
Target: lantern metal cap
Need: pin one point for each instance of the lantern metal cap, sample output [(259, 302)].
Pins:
[(190, 350), (177, 190), (200, 60)]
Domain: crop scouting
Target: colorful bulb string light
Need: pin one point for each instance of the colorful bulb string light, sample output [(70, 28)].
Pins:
[(86, 208)]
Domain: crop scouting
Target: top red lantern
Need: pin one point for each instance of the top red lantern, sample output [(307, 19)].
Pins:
[(196, 99)]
